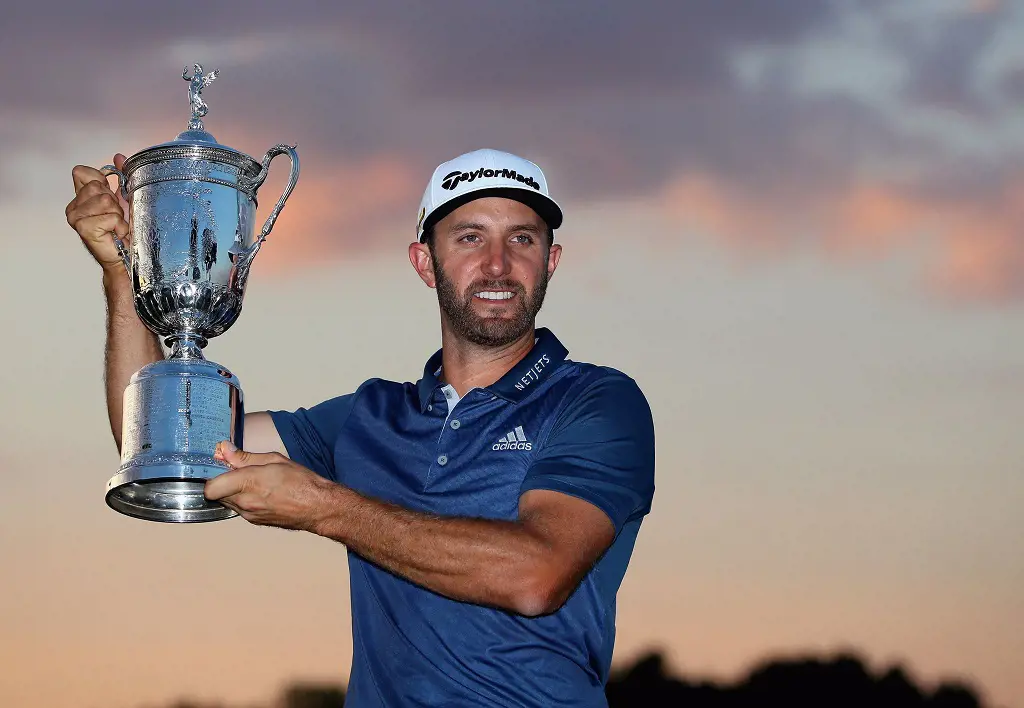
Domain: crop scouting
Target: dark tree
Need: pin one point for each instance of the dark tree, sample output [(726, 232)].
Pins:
[(840, 682), (307, 696)]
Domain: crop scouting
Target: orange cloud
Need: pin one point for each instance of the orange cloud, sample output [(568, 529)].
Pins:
[(974, 246), (983, 260), (345, 209), (869, 219), (741, 220), (984, 6)]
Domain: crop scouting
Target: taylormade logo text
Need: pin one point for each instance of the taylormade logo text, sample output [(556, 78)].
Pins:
[(451, 180)]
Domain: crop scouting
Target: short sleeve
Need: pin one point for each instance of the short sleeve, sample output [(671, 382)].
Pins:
[(309, 434), (601, 449)]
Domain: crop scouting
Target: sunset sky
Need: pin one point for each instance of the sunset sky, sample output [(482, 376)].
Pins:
[(798, 225)]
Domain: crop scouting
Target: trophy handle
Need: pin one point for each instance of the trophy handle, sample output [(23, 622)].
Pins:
[(121, 183), (293, 177)]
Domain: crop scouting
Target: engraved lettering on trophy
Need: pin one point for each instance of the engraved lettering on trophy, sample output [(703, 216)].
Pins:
[(195, 203), (187, 407)]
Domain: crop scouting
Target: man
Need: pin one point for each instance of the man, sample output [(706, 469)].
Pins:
[(490, 509)]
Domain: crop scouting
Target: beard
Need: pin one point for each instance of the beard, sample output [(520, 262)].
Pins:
[(489, 331)]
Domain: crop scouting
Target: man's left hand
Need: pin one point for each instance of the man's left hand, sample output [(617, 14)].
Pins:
[(268, 489)]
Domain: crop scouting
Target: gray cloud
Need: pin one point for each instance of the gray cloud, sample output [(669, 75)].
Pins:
[(646, 85), (455, 47), (944, 60), (367, 76), (613, 98)]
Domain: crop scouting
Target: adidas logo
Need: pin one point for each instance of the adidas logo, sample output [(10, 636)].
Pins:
[(513, 440)]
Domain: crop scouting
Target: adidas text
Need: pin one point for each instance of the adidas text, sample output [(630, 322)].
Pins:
[(513, 440), (512, 446)]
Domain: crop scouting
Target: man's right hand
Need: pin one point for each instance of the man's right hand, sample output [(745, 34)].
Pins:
[(96, 211)]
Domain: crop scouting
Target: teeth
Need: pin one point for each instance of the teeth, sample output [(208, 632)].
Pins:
[(495, 295)]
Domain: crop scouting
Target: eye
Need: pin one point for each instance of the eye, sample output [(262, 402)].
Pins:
[(470, 238), (523, 238)]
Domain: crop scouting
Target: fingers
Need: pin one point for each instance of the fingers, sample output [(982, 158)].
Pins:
[(94, 200), (93, 194), (248, 468), (89, 178), (240, 458), (83, 174), (93, 188), (94, 229), (95, 212), (226, 485)]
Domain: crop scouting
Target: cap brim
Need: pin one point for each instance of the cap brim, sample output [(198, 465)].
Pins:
[(546, 207)]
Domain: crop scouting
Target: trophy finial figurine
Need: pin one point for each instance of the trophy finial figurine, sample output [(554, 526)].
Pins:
[(197, 82)]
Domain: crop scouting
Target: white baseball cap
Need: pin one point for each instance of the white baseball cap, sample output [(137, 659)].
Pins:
[(485, 173)]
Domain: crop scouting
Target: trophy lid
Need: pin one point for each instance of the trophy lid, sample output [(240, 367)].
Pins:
[(195, 141), (195, 136)]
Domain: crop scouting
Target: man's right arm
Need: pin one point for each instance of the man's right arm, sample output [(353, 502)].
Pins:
[(131, 345), (94, 213)]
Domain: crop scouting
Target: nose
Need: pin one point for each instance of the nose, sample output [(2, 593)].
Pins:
[(496, 261)]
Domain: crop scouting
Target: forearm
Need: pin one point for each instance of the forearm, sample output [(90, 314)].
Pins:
[(130, 345), (482, 561)]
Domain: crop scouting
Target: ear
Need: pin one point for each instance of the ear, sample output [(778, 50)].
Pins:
[(554, 255), (419, 256)]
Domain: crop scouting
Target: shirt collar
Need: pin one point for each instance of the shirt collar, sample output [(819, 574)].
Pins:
[(519, 382)]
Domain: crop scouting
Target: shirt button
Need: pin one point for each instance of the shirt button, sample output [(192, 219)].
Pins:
[(442, 460), (455, 424), (430, 407)]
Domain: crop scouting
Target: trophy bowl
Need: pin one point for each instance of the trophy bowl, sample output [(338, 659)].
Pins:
[(192, 207)]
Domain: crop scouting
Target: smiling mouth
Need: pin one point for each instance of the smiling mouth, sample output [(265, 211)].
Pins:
[(494, 295)]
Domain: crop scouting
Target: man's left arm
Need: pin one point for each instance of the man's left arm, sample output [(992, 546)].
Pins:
[(572, 506), (528, 566)]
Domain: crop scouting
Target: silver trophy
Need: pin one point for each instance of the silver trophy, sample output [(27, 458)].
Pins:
[(192, 205)]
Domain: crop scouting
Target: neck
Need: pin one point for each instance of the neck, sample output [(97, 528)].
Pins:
[(465, 365)]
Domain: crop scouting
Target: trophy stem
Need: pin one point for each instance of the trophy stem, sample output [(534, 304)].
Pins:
[(186, 345)]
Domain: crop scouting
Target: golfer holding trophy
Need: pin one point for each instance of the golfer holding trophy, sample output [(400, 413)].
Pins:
[(489, 509)]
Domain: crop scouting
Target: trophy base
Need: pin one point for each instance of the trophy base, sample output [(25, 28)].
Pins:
[(168, 490), (175, 412)]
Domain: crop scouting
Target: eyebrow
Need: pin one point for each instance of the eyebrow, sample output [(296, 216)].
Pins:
[(474, 226), (532, 228), (467, 226)]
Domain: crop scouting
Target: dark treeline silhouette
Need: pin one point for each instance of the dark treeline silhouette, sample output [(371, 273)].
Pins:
[(843, 681)]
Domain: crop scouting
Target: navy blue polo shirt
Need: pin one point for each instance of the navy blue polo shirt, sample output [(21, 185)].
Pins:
[(549, 423)]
